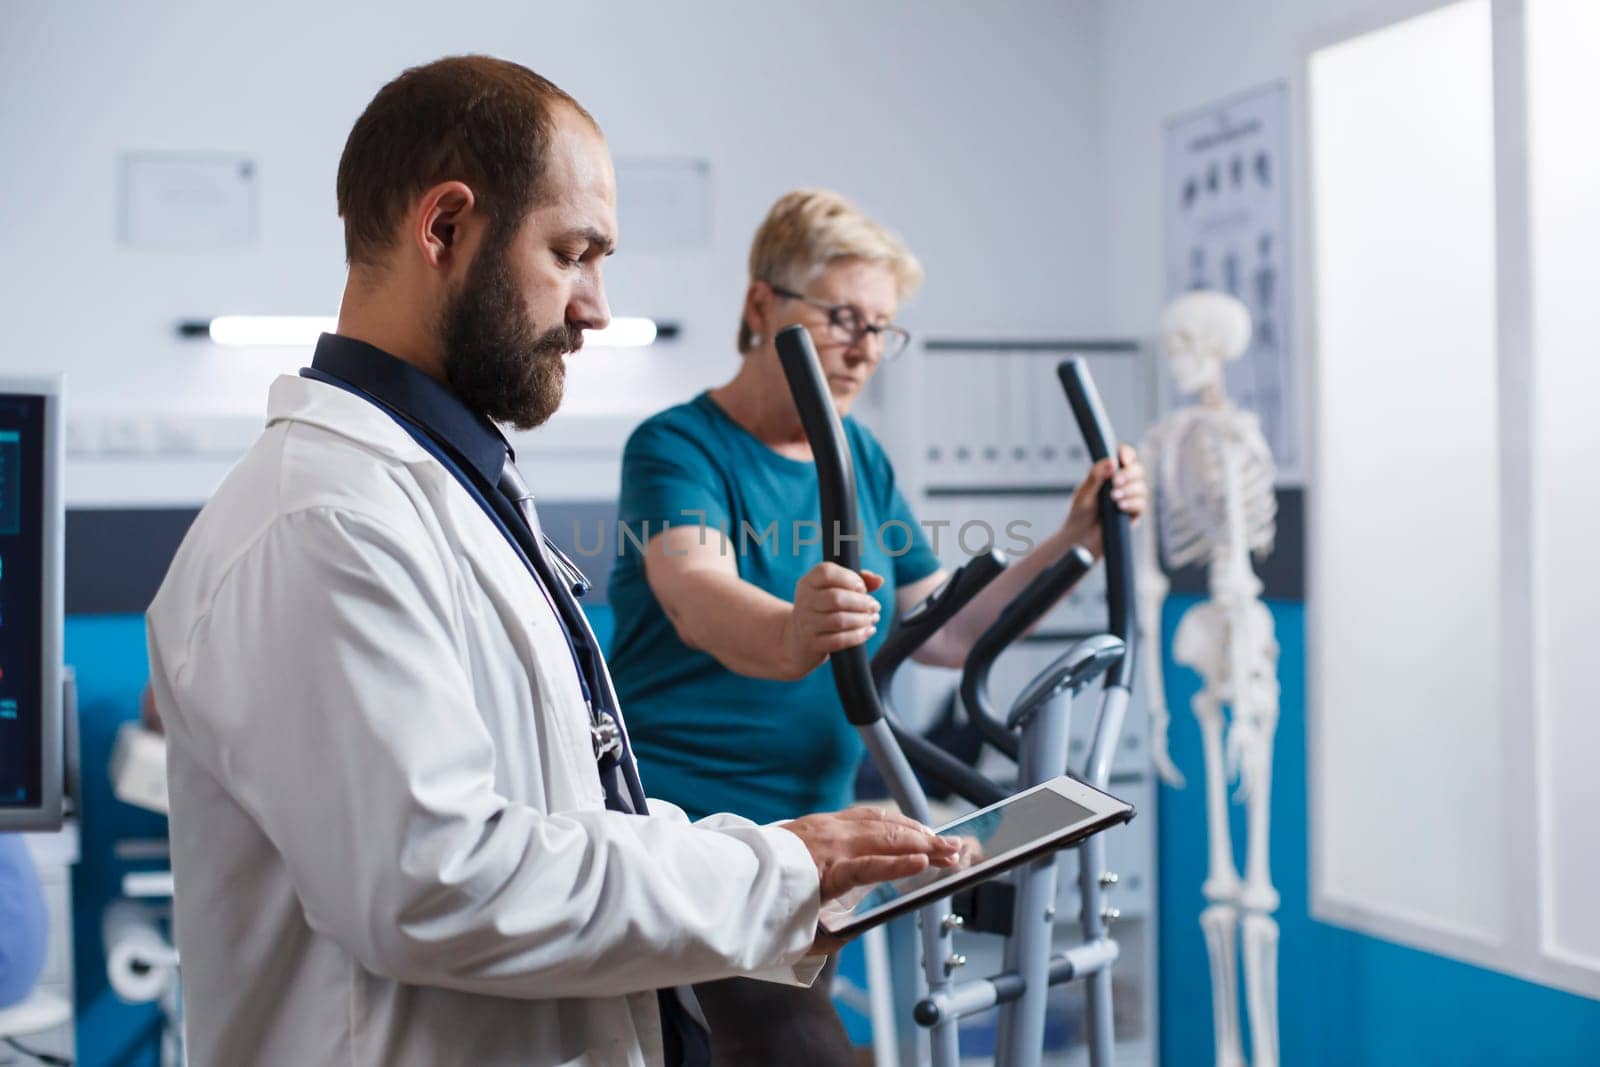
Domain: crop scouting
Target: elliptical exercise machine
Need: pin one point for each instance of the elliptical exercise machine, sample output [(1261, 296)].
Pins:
[(1034, 733)]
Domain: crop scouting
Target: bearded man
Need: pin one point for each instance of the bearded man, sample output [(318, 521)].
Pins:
[(407, 827)]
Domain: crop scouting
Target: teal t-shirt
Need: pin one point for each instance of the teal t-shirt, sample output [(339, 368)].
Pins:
[(708, 739)]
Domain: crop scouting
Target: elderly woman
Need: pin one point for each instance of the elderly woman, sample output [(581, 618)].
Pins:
[(726, 614)]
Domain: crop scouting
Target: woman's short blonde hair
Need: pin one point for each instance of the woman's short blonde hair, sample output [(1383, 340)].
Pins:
[(810, 228)]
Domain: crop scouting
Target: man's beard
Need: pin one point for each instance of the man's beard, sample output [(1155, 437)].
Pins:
[(494, 358)]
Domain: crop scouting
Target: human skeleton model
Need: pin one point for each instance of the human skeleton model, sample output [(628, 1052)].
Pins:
[(1212, 473)]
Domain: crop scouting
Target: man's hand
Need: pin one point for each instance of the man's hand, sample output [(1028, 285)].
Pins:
[(1128, 489), (863, 846), (833, 610)]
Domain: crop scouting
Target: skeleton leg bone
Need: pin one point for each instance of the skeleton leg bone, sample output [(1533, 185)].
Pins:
[(1259, 899), (1220, 923), (1222, 882), (1261, 986), (1258, 894), (1220, 920)]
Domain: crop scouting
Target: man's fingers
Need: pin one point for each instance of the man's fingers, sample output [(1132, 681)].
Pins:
[(941, 849), (870, 870), (868, 813), (862, 846), (863, 831), (890, 839)]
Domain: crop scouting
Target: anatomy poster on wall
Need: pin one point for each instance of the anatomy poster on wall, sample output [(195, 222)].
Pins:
[(1227, 212)]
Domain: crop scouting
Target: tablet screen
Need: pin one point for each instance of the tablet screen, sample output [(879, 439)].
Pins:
[(1016, 825)]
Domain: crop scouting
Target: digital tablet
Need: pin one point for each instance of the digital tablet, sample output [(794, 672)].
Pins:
[(1035, 822)]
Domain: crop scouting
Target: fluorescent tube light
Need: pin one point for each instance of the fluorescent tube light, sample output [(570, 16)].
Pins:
[(302, 331), (269, 331), (623, 333)]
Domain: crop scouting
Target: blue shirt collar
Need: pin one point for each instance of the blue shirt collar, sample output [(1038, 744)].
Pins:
[(471, 437)]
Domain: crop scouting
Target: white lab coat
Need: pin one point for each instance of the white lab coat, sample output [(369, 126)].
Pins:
[(388, 831)]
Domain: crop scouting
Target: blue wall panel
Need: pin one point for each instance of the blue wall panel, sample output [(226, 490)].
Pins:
[(1345, 999), (108, 653)]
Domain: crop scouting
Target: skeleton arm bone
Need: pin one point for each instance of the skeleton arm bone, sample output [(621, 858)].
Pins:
[(1152, 586)]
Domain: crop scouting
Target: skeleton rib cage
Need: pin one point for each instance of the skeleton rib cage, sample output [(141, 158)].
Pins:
[(1188, 456)]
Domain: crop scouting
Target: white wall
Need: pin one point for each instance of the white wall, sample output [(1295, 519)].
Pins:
[(1163, 58), (1406, 280), (1564, 170), (969, 129)]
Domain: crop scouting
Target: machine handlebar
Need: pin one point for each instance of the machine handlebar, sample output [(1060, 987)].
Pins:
[(1115, 529), (1016, 619), (841, 519), (913, 629)]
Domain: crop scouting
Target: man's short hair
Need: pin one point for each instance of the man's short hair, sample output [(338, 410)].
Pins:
[(476, 119), (809, 228)]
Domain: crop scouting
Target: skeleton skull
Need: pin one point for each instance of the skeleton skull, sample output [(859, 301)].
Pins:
[(1200, 332)]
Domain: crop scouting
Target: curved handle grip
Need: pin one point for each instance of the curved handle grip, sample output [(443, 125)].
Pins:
[(841, 520), (1018, 617), (914, 628), (1115, 530)]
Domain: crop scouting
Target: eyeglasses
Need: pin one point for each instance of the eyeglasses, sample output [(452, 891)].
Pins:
[(847, 325)]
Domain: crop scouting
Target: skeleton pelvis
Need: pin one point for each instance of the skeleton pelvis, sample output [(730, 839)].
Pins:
[(1213, 637)]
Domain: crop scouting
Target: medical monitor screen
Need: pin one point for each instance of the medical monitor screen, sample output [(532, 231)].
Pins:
[(22, 592)]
